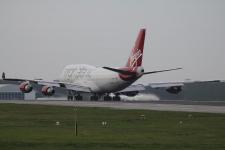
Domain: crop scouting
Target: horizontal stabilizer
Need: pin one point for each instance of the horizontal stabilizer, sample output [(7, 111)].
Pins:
[(151, 72), (124, 72)]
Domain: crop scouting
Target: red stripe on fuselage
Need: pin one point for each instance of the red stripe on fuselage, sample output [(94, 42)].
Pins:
[(128, 77)]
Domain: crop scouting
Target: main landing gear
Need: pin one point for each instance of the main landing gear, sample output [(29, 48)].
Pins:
[(79, 97), (106, 97), (72, 96), (75, 97), (94, 97), (114, 98)]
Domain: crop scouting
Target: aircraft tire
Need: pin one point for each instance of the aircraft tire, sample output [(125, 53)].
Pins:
[(69, 98), (94, 98), (116, 98), (107, 98), (79, 98)]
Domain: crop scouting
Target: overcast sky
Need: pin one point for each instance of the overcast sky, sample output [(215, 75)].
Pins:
[(39, 37)]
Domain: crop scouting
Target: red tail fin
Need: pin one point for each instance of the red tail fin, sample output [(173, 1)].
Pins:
[(135, 58)]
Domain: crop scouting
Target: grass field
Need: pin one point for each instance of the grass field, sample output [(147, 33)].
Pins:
[(24, 127)]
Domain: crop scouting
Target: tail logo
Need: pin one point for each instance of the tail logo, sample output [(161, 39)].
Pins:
[(134, 58)]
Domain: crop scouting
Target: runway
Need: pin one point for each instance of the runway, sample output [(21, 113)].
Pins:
[(159, 106)]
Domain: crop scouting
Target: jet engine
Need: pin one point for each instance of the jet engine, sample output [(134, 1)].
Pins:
[(174, 89), (131, 94), (47, 90), (25, 87)]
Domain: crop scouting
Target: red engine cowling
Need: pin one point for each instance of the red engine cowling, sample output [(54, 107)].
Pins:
[(47, 90), (25, 87)]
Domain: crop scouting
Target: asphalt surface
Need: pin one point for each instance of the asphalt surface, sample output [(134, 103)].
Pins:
[(184, 106)]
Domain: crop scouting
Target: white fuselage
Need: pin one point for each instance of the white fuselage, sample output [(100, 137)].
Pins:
[(98, 79)]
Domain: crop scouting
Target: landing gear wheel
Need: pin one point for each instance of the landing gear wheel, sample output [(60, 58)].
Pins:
[(107, 98), (94, 98), (116, 98), (69, 97), (79, 98)]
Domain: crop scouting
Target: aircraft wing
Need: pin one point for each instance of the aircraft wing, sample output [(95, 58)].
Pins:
[(65, 85), (161, 85), (132, 90), (2, 81), (173, 88), (54, 84)]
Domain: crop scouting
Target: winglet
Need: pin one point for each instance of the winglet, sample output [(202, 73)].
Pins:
[(3, 75)]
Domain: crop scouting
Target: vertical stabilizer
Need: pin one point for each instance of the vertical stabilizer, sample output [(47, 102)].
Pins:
[(136, 55)]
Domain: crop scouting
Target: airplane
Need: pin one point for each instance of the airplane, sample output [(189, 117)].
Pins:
[(99, 81)]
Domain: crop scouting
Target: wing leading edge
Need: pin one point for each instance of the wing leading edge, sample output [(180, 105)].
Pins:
[(58, 84)]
